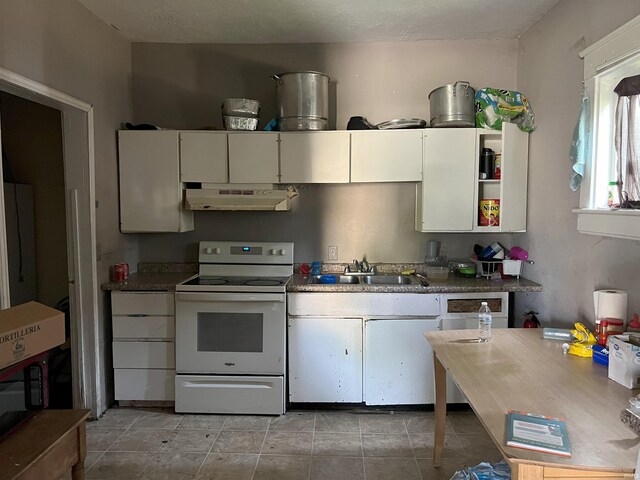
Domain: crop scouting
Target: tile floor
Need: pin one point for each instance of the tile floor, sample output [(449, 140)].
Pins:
[(152, 444)]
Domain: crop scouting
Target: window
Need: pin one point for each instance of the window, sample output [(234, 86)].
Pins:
[(607, 63)]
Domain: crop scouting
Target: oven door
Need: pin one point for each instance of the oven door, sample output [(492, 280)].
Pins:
[(230, 333)]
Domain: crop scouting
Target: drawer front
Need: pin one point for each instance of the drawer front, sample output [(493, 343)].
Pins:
[(466, 305), (144, 355), (249, 395), (141, 384), (142, 303), (144, 327)]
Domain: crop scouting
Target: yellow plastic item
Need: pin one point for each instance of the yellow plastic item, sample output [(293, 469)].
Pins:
[(408, 272), (583, 346)]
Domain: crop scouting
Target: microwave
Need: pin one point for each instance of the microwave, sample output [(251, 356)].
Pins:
[(24, 390)]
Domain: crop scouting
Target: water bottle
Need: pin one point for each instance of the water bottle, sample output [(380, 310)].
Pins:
[(484, 323)]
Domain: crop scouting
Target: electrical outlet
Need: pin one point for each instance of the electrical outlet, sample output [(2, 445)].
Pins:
[(332, 252)]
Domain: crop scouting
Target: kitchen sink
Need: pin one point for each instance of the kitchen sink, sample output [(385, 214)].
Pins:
[(343, 279), (388, 280)]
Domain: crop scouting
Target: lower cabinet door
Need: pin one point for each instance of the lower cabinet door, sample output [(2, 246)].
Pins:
[(398, 361), (144, 384), (325, 360)]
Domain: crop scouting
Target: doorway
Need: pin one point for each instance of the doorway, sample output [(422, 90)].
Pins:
[(33, 175), (73, 232)]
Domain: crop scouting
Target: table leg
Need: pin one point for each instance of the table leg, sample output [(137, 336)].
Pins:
[(440, 409), (77, 471)]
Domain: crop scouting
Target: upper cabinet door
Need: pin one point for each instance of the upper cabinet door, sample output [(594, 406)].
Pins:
[(150, 188), (445, 200), (314, 157), (386, 156), (515, 161), (203, 157), (253, 157)]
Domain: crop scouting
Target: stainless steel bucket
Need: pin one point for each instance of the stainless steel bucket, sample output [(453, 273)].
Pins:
[(453, 105), (303, 100)]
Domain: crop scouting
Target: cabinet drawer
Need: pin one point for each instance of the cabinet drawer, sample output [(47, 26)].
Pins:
[(144, 355), (141, 384), (142, 303), (460, 305), (143, 327)]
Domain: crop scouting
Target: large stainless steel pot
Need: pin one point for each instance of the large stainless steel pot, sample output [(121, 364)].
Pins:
[(453, 105), (303, 100)]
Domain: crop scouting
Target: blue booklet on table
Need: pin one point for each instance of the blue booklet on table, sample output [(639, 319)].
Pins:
[(538, 432)]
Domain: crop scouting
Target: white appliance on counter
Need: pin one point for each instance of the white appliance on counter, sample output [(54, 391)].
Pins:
[(231, 329)]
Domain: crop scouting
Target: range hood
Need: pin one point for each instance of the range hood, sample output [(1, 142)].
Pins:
[(239, 197)]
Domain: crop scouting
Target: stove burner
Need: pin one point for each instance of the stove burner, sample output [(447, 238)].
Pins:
[(263, 283), (212, 281)]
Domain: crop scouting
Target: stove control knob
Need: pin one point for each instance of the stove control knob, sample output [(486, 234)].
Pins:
[(216, 251), (282, 251), (208, 250), (273, 251)]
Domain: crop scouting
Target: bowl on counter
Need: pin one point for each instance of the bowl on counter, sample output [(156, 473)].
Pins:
[(463, 268), (437, 273)]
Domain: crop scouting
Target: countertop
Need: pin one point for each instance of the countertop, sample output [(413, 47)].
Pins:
[(167, 281), (452, 285)]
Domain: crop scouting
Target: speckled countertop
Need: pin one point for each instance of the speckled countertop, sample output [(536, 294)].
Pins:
[(155, 277), (452, 285), (165, 277)]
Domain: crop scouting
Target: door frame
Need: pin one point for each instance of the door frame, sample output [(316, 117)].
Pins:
[(79, 166)]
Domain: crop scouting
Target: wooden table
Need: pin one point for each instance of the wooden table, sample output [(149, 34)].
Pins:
[(46, 447), (519, 370)]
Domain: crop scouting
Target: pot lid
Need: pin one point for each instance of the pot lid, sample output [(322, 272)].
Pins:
[(301, 71)]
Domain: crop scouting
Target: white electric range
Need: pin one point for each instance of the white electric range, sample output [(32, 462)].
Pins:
[(231, 329)]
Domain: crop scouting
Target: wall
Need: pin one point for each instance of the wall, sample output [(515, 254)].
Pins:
[(32, 143), (62, 45), (182, 86), (569, 265)]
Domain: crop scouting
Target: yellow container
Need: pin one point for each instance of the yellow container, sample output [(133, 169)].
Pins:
[(489, 212)]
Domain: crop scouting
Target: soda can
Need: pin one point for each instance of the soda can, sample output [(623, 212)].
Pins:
[(125, 268), (117, 273)]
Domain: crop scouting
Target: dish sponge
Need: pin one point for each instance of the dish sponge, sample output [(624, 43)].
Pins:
[(411, 271)]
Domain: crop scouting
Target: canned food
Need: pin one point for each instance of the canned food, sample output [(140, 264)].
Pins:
[(489, 212), (117, 273)]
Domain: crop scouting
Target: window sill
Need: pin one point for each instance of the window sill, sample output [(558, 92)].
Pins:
[(609, 223)]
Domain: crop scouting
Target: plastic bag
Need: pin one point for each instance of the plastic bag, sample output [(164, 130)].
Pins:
[(485, 471), (495, 106)]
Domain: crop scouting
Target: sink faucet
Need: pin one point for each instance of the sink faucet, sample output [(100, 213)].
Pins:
[(360, 267)]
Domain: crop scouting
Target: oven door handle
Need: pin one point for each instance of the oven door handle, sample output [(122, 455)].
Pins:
[(230, 297)]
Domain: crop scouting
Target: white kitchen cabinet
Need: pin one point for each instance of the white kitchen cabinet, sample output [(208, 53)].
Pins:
[(253, 157), (448, 199), (398, 361), (203, 157), (325, 359), (460, 312), (386, 156), (143, 345), (445, 198), (314, 157), (150, 189)]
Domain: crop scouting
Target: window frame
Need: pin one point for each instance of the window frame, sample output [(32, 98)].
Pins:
[(606, 62)]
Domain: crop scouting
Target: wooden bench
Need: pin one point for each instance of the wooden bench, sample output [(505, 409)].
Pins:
[(46, 446)]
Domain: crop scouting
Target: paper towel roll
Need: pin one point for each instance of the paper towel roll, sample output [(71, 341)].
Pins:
[(610, 304)]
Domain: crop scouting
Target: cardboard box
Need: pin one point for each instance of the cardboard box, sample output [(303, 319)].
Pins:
[(29, 329), (624, 361)]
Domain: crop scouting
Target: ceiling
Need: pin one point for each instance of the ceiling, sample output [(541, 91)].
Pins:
[(317, 21)]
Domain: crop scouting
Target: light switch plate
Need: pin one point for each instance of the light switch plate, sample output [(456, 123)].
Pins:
[(332, 252)]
